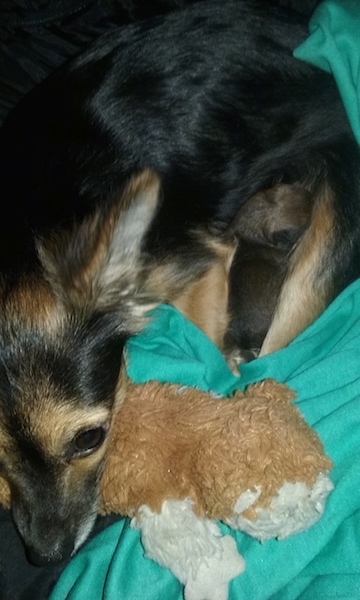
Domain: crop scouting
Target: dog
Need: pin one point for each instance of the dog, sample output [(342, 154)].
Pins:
[(268, 228), (114, 172), (234, 301), (63, 318)]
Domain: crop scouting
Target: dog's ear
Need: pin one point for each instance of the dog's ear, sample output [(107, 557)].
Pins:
[(97, 265)]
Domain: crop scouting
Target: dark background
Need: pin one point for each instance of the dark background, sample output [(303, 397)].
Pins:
[(36, 36)]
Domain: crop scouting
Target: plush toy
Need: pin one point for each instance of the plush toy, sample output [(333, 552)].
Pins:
[(182, 459)]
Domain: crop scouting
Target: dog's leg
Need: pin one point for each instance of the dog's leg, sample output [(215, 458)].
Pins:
[(205, 301), (192, 547), (308, 286)]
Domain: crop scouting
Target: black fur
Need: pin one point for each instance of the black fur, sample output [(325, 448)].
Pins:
[(209, 97)]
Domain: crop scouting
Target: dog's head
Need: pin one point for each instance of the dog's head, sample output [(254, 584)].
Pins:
[(63, 327), (62, 331)]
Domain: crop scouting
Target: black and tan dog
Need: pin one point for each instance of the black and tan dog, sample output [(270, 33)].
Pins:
[(211, 99)]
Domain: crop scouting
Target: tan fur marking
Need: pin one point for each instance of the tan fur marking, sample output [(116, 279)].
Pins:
[(5, 455), (5, 498), (53, 424), (205, 302), (272, 210), (32, 303), (305, 292)]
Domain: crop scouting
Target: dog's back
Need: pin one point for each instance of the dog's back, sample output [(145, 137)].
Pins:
[(211, 99)]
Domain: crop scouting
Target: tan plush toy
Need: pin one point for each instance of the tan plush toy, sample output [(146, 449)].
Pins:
[(182, 459)]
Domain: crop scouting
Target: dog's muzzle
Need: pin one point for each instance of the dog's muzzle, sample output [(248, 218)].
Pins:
[(53, 535), (42, 560)]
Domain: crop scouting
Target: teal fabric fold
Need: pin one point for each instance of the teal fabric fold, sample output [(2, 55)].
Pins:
[(172, 349), (323, 366), (334, 46)]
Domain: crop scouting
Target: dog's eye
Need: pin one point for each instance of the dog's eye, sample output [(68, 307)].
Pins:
[(88, 441)]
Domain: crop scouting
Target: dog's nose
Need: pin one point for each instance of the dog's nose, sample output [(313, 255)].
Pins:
[(39, 559)]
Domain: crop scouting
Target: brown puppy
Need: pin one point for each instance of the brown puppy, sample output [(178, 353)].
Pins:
[(269, 226), (235, 300)]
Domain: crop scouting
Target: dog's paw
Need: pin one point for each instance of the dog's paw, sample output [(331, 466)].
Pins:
[(238, 356)]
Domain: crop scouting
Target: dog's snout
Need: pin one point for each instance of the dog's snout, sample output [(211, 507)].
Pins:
[(38, 559), (55, 525)]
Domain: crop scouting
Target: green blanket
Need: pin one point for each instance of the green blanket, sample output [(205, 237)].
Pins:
[(322, 365), (334, 45)]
